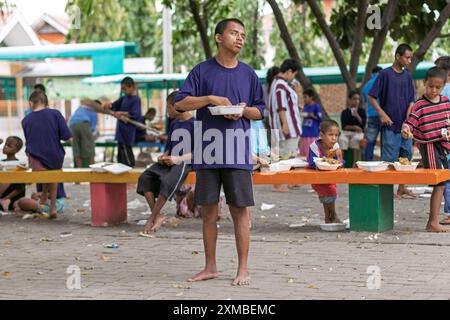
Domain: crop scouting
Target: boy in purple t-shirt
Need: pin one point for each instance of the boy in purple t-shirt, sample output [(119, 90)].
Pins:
[(394, 89), (312, 117), (127, 106), (44, 128), (222, 153)]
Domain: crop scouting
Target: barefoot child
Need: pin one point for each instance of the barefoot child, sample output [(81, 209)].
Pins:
[(164, 178), (9, 193), (44, 128), (429, 123), (327, 142), (31, 205)]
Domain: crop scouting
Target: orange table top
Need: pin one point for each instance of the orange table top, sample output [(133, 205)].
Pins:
[(299, 176)]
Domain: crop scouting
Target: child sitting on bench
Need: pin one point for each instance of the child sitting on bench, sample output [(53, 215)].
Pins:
[(326, 146), (163, 179), (10, 193)]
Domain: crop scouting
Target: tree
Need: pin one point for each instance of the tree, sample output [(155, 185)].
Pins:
[(293, 52)]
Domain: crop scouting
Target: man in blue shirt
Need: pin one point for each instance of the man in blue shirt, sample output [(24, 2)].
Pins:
[(373, 118), (223, 81), (394, 89)]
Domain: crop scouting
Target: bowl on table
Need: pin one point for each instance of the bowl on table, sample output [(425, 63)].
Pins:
[(372, 166), (323, 165), (405, 167)]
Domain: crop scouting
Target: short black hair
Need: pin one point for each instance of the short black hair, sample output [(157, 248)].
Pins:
[(290, 64), (170, 100), (327, 125), (39, 87), (222, 25), (376, 69), (401, 49), (150, 110), (271, 74), (436, 72), (351, 93), (309, 92), (443, 63), (18, 141), (38, 97), (127, 82)]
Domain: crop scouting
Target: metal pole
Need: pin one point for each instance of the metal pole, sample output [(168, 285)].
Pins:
[(167, 41)]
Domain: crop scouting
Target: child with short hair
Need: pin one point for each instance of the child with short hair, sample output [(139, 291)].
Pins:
[(32, 206), (325, 146), (429, 124), (444, 63), (129, 105), (311, 122), (163, 179), (44, 128), (10, 193)]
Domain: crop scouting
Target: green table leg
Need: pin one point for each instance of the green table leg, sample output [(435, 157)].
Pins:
[(371, 207)]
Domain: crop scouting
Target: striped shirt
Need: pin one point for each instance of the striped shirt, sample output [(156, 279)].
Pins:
[(428, 119), (283, 98)]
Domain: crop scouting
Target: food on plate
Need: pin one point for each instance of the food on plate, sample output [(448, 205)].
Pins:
[(404, 161)]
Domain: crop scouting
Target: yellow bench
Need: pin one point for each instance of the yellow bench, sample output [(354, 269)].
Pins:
[(371, 203)]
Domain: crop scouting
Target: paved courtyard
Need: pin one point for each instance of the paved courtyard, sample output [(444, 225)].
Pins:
[(285, 262)]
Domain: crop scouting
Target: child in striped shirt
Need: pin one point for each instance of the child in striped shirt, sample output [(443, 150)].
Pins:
[(429, 125)]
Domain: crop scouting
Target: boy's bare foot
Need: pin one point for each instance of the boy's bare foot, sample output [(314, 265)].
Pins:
[(406, 194), (242, 279), (281, 189), (204, 275), (148, 227), (53, 215), (436, 227), (157, 223), (5, 204)]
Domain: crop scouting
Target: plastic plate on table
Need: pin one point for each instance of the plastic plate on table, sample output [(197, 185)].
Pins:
[(372, 166), (295, 163), (13, 165), (118, 168), (226, 110), (100, 167), (278, 166), (405, 167), (323, 165)]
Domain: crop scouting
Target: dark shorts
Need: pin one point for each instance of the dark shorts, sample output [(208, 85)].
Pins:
[(237, 185), (164, 180), (434, 156)]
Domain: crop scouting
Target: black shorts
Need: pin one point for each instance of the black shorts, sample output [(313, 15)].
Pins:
[(237, 185), (434, 156), (164, 180)]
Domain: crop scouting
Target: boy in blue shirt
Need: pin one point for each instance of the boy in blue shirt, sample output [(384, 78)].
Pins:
[(223, 81)]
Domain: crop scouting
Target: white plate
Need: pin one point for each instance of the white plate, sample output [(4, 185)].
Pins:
[(372, 166), (100, 167), (403, 167), (225, 110), (12, 165), (333, 226), (278, 166), (295, 163), (322, 165), (117, 168)]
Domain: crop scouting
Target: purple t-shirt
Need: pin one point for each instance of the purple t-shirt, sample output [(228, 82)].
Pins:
[(125, 132), (43, 132), (239, 84), (310, 126), (181, 132), (395, 91)]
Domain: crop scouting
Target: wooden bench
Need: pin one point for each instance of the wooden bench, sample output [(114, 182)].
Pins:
[(371, 203)]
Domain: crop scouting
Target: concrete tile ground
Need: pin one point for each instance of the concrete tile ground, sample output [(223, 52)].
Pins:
[(286, 263)]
